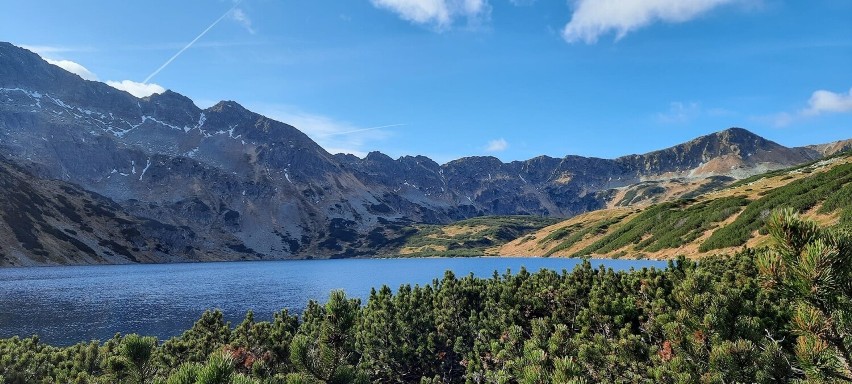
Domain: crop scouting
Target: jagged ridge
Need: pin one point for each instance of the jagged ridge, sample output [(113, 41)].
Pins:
[(226, 172)]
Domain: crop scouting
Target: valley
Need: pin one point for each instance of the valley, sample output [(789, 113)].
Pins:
[(425, 192)]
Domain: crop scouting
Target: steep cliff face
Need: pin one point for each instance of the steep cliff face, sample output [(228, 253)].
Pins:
[(53, 222), (223, 169), (256, 187)]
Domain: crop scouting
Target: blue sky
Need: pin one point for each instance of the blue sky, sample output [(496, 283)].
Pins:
[(451, 78)]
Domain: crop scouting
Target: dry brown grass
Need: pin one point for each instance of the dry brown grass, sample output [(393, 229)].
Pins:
[(425, 248), (522, 247)]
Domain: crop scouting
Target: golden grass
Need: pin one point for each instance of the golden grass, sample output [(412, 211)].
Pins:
[(522, 247)]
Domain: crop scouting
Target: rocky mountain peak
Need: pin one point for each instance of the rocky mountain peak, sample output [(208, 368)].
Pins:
[(719, 153), (420, 160), (738, 134), (229, 106), (477, 161), (15, 59), (20, 67), (378, 157), (172, 107), (731, 141), (27, 72), (172, 100), (737, 141)]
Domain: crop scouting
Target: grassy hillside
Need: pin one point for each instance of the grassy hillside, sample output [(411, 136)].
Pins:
[(659, 191), (716, 222), (472, 237)]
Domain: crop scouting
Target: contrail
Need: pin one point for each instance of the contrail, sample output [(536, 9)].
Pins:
[(169, 61), (360, 130)]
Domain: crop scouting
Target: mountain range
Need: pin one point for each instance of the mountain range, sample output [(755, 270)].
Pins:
[(158, 179)]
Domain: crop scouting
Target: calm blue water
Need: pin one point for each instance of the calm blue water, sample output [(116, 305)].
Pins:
[(65, 305)]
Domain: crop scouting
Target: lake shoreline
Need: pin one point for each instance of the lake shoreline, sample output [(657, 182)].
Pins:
[(76, 303), (6, 267)]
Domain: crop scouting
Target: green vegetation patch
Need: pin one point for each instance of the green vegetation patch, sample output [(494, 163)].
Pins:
[(471, 237), (641, 192), (695, 321), (832, 187), (714, 183), (839, 200), (578, 232), (667, 225)]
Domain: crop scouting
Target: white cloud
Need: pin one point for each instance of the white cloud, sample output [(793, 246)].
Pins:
[(822, 101), (335, 136), (440, 13), (497, 145), (242, 18), (130, 86), (782, 119), (593, 18), (137, 89), (74, 68), (680, 112)]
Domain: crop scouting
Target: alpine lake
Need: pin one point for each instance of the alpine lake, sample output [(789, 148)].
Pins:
[(70, 304)]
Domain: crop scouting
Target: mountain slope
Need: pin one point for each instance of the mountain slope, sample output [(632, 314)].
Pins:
[(830, 149), (716, 222), (228, 173), (471, 237), (733, 152), (223, 169), (47, 222)]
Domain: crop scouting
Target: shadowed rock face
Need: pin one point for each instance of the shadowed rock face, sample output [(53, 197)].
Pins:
[(250, 186), (54, 222)]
